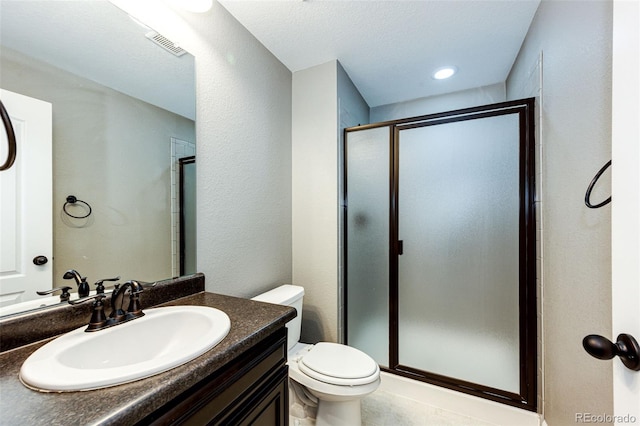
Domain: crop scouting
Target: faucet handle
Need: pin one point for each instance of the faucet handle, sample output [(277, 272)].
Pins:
[(64, 296), (98, 296), (100, 286), (98, 319)]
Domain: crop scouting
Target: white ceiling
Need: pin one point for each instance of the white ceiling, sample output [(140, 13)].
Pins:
[(98, 41), (390, 48)]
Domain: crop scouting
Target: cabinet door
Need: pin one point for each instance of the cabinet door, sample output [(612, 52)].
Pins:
[(269, 407), (251, 389)]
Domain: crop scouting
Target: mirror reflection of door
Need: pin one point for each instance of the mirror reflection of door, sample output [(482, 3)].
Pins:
[(25, 201), (187, 215)]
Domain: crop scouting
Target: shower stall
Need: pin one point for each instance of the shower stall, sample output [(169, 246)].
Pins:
[(439, 249)]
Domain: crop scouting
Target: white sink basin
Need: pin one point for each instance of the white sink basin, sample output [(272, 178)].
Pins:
[(162, 339)]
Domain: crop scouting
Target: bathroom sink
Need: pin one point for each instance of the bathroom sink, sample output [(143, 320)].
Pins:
[(162, 339)]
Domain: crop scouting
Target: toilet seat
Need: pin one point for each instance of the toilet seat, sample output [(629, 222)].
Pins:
[(338, 364)]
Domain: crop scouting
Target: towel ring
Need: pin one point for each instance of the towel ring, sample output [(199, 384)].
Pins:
[(71, 199), (590, 188)]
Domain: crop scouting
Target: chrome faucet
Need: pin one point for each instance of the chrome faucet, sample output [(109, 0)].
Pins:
[(83, 285), (117, 316)]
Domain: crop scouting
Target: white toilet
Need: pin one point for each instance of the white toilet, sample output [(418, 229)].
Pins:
[(338, 375)]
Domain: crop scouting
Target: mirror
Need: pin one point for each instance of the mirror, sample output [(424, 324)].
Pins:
[(123, 114)]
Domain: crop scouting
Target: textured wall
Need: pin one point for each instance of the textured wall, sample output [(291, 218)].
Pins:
[(243, 129), (244, 159), (575, 41)]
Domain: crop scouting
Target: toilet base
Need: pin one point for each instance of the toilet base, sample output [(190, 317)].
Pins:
[(344, 413), (337, 405)]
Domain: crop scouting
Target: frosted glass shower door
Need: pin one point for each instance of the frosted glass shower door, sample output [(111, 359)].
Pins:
[(367, 243), (458, 275)]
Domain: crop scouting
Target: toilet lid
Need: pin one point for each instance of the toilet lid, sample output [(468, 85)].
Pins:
[(339, 364)]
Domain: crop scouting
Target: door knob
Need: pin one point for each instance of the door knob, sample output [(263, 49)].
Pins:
[(626, 348), (40, 260)]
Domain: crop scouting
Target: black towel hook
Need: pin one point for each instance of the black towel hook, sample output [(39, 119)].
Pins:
[(590, 188), (71, 199), (11, 138)]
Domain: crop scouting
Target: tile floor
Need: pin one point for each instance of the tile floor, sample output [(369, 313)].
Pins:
[(400, 401), (383, 408)]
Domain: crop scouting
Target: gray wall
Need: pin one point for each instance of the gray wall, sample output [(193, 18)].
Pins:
[(325, 101), (243, 127), (575, 41), (315, 195), (433, 104), (114, 152)]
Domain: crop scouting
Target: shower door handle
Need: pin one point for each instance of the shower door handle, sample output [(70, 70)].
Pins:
[(626, 348), (400, 247)]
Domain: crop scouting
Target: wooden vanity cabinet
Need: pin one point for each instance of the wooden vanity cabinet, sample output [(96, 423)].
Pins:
[(252, 389)]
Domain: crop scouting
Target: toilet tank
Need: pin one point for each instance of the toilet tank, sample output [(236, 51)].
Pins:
[(288, 295)]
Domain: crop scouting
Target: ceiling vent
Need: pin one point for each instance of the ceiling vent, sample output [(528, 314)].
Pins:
[(165, 43)]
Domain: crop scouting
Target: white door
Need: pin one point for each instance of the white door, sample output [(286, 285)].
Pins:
[(625, 202), (25, 201)]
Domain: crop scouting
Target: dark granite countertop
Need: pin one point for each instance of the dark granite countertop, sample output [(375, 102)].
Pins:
[(128, 403)]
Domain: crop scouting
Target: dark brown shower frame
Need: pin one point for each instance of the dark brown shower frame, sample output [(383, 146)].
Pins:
[(182, 162), (525, 108)]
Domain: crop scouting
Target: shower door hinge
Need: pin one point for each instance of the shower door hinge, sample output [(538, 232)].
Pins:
[(400, 247)]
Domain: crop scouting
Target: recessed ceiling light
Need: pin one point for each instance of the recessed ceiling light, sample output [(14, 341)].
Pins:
[(444, 72)]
